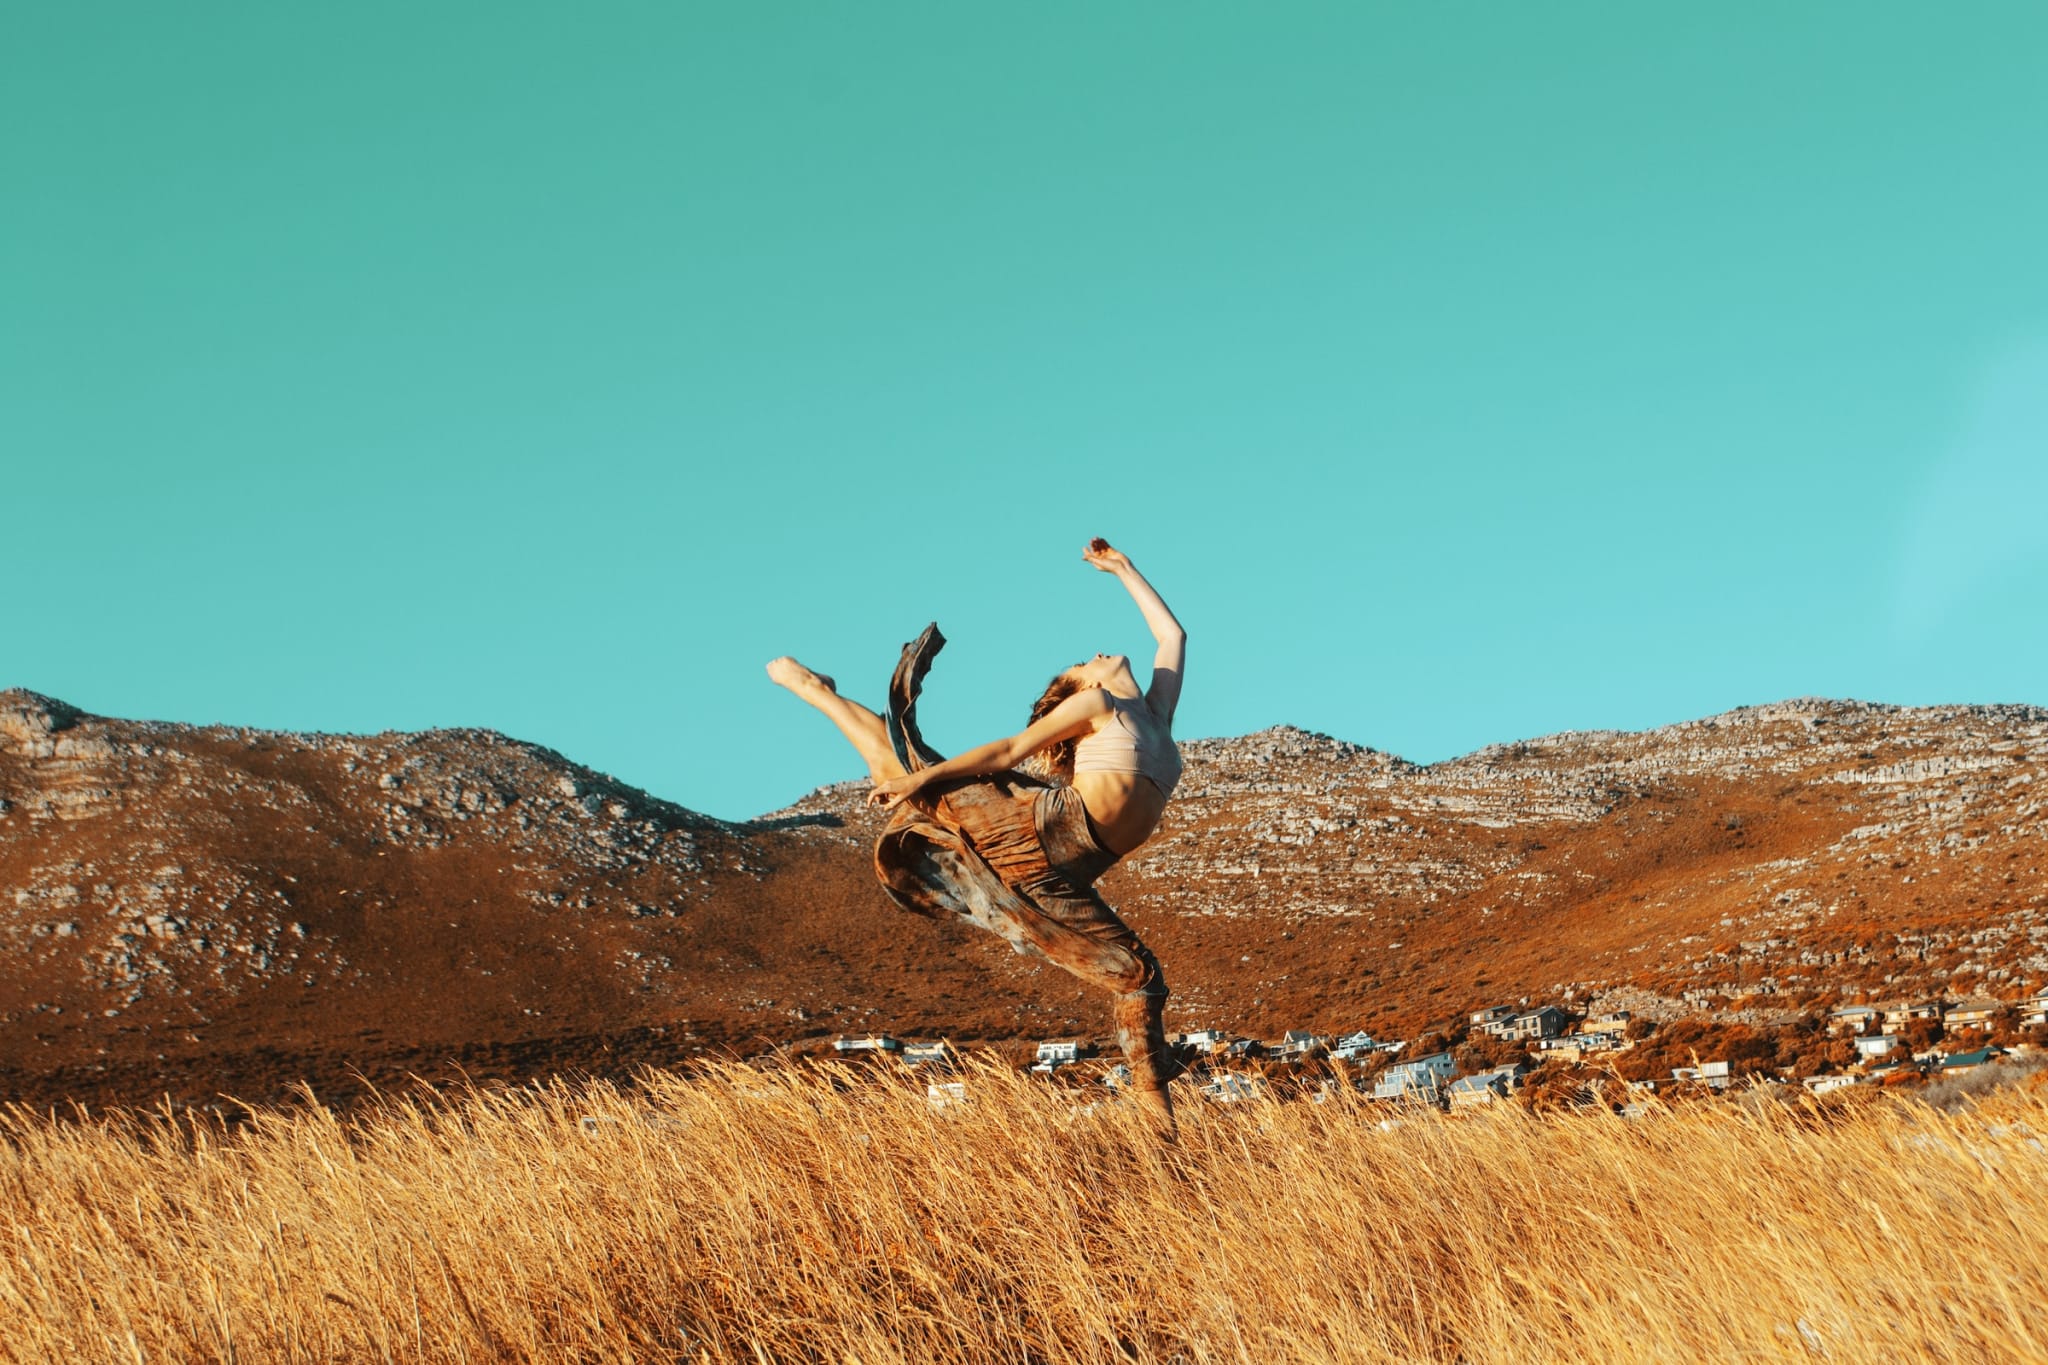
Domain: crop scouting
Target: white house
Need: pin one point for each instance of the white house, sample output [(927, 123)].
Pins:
[(1546, 1022), (1296, 1043), (874, 1042), (1423, 1078), (1053, 1056), (1871, 1046), (1231, 1087), (1898, 1016), (1972, 1014), (1713, 1075), (938, 1056), (1351, 1045), (2034, 1011), (1853, 1018), (1484, 1087)]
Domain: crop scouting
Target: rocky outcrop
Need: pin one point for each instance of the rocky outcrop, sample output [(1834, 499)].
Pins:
[(30, 722)]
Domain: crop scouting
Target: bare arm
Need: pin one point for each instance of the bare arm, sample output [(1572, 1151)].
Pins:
[(1169, 663), (1074, 716)]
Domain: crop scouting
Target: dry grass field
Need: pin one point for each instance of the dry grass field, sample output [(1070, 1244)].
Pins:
[(754, 1215)]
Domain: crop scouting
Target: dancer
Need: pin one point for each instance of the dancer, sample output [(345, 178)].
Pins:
[(1017, 853)]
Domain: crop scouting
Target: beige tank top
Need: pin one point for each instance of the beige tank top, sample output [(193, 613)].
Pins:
[(1130, 743)]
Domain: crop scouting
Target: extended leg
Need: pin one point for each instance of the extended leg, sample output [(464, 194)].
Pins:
[(1141, 1033), (1076, 931), (862, 727)]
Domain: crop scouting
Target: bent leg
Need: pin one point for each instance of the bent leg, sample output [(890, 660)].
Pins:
[(1076, 930), (1108, 955), (1141, 1033), (862, 727)]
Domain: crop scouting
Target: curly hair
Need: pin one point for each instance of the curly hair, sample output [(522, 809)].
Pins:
[(1055, 762)]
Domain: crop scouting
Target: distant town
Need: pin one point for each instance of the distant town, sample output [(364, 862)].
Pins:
[(1546, 1055)]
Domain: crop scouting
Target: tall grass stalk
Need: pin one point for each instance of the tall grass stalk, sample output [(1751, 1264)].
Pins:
[(754, 1215)]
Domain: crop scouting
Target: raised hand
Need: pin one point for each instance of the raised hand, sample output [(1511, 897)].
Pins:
[(1105, 557)]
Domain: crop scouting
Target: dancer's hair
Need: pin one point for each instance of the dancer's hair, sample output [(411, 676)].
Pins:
[(1056, 763)]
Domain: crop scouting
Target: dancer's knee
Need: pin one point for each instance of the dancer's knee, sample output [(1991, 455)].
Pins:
[(1134, 976), (1147, 977)]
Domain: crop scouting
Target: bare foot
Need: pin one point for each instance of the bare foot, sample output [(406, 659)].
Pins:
[(787, 672)]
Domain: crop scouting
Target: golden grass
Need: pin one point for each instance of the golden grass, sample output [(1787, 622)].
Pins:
[(755, 1215)]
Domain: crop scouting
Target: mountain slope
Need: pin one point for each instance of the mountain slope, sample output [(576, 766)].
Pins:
[(198, 911)]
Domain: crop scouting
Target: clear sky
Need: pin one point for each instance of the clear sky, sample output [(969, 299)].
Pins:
[(1460, 373)]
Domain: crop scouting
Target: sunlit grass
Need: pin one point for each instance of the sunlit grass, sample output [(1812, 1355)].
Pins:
[(760, 1215)]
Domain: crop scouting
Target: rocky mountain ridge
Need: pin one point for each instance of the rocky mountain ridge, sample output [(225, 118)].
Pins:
[(201, 910)]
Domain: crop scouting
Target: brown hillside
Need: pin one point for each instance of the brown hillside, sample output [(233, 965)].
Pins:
[(207, 911)]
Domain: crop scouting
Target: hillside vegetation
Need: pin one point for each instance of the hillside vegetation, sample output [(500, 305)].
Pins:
[(752, 1215)]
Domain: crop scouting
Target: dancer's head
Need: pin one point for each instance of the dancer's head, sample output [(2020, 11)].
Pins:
[(1100, 671), (1058, 760)]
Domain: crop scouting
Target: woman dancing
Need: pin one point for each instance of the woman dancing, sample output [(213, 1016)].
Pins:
[(1017, 854)]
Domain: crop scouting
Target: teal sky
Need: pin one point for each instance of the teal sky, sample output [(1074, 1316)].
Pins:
[(1460, 373)]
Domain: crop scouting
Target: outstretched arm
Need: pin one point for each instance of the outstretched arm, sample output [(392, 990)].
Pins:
[(1170, 662), (1076, 715)]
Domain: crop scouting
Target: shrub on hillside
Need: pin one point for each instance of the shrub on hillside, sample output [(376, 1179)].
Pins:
[(1482, 1053), (1922, 1034), (1951, 1090), (1802, 1048)]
